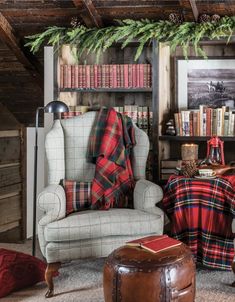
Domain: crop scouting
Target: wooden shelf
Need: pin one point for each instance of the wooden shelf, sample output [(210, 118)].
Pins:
[(105, 89), (194, 138)]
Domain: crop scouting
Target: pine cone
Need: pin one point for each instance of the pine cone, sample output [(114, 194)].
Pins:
[(190, 169), (175, 18), (74, 22), (204, 18), (215, 18)]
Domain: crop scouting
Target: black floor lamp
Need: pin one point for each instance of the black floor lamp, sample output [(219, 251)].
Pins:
[(52, 107)]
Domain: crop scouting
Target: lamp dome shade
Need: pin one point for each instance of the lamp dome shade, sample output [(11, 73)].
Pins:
[(56, 107)]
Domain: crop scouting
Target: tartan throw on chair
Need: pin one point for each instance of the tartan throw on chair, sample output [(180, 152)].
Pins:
[(110, 143), (201, 214), (78, 195)]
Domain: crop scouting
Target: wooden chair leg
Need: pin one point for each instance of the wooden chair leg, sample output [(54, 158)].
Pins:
[(233, 268), (51, 270)]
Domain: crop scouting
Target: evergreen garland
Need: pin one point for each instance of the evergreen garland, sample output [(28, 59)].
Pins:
[(97, 40)]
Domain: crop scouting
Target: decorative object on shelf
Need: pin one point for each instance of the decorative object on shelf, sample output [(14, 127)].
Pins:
[(176, 18), (189, 169), (170, 128), (52, 107), (215, 18), (98, 40), (204, 18), (215, 151), (205, 82), (74, 22), (189, 152)]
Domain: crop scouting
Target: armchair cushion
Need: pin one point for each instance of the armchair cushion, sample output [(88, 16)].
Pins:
[(78, 195), (99, 224)]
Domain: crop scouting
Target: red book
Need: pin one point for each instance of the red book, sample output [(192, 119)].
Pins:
[(79, 76), (141, 66), (155, 244), (72, 76), (130, 75), (76, 76), (126, 79), (118, 76), (61, 76), (88, 76), (92, 76), (133, 75), (114, 76), (99, 77), (95, 76), (69, 76), (137, 75)]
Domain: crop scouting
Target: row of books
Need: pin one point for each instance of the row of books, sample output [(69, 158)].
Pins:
[(205, 122), (140, 115), (105, 76)]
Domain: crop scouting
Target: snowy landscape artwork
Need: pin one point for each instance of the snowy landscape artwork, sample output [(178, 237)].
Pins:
[(206, 82)]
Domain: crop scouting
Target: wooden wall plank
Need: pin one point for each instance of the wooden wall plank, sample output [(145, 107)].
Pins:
[(9, 149), (10, 209), (9, 176)]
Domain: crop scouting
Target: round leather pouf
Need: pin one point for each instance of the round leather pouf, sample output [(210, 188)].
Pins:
[(132, 274)]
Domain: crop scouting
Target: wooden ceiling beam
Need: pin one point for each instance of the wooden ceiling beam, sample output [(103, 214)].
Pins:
[(94, 17), (190, 10), (8, 36)]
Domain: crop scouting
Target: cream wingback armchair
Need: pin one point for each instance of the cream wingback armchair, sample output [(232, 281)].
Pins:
[(91, 233)]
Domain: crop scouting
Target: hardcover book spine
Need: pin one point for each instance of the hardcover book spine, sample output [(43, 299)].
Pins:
[(114, 68), (76, 76), (177, 128), (140, 119), (126, 78), (214, 122), (69, 77), (61, 76), (65, 76), (96, 76), (88, 76), (219, 121), (138, 75), (141, 67), (72, 76), (92, 82)]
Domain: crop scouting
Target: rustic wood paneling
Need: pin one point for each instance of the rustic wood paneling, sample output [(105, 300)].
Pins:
[(10, 175), (9, 149), (10, 209)]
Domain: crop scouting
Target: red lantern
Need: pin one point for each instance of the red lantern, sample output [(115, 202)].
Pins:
[(215, 151)]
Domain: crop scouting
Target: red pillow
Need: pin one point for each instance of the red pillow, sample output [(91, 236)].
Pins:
[(18, 270)]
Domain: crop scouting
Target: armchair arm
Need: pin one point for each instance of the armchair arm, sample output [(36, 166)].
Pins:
[(52, 201), (146, 195)]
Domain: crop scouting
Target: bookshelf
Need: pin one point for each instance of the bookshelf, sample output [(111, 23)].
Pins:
[(169, 147), (109, 96)]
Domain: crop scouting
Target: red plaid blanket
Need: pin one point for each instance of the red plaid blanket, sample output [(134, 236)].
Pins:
[(111, 140), (201, 213)]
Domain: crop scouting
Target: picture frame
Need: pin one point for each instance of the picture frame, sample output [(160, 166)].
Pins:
[(209, 82)]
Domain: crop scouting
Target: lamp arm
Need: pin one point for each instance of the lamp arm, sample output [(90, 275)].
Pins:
[(35, 180)]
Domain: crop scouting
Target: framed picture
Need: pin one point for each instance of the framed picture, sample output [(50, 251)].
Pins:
[(208, 82)]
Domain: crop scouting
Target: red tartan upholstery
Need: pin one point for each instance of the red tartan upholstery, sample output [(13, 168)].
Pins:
[(201, 213)]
